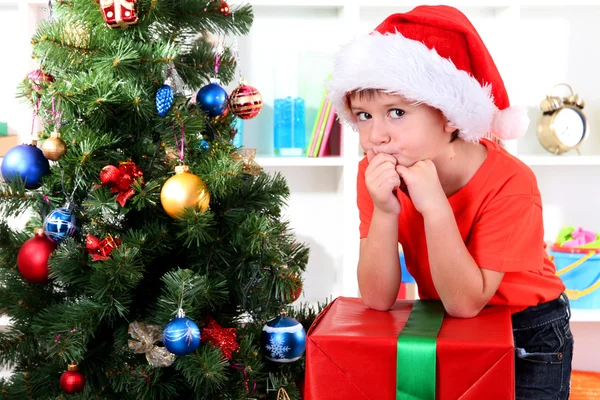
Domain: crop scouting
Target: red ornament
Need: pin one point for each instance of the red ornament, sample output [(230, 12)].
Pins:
[(223, 338), (297, 284), (109, 174), (100, 249), (73, 380), (92, 242), (224, 8), (121, 179), (245, 101), (296, 295), (37, 78), (119, 13), (32, 259)]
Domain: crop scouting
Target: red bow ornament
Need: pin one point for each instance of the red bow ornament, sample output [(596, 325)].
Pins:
[(121, 179), (119, 13), (100, 249)]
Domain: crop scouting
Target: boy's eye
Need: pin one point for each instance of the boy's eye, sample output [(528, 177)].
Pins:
[(363, 116), (396, 113)]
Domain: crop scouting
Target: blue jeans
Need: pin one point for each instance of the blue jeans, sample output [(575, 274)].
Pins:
[(543, 351)]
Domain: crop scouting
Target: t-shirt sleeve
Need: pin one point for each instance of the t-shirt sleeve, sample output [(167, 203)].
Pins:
[(363, 200), (509, 235)]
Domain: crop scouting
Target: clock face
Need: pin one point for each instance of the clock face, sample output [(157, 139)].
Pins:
[(569, 126)]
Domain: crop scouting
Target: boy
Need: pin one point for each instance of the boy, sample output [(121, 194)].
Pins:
[(423, 91)]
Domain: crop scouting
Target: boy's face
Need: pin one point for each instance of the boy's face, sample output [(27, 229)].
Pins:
[(390, 124)]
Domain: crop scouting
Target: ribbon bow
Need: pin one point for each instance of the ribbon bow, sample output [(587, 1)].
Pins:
[(249, 166), (144, 336), (100, 249), (120, 180)]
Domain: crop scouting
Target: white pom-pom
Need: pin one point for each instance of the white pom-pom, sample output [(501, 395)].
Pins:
[(510, 123)]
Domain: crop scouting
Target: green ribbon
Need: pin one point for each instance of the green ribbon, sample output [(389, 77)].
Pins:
[(416, 352)]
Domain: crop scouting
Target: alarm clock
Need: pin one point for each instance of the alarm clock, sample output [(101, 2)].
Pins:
[(562, 126)]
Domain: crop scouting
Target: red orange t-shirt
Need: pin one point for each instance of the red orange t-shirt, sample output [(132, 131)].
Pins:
[(499, 216)]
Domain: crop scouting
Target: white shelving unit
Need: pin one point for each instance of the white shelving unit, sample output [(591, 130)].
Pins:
[(300, 161), (290, 51)]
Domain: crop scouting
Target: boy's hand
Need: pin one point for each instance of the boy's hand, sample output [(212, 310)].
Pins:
[(423, 185), (381, 179)]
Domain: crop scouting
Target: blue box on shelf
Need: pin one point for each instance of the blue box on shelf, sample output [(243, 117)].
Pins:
[(238, 139), (289, 136)]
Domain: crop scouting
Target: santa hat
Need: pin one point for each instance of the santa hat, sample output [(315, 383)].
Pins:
[(430, 55)]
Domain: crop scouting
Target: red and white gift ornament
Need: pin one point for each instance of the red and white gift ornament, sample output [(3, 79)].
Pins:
[(100, 249), (119, 13)]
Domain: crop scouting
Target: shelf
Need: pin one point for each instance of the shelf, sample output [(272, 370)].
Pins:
[(585, 315), (453, 3), (295, 3), (559, 160), (300, 161), (408, 3)]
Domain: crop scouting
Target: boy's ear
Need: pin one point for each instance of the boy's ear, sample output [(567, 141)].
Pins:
[(449, 128)]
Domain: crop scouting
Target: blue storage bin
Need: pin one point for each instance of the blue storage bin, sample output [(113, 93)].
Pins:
[(579, 268), (406, 276), (289, 137)]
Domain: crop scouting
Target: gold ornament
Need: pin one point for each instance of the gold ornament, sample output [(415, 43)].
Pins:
[(184, 190), (282, 394), (247, 156), (144, 336), (77, 35), (54, 147)]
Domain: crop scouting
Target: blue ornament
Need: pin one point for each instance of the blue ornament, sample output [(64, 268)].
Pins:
[(60, 224), (283, 340), (181, 336), (26, 161), (212, 98), (164, 100), (204, 145)]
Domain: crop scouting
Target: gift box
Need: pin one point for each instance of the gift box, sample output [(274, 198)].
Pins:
[(351, 353)]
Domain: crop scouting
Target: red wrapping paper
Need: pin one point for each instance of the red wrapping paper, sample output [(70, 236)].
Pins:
[(351, 354)]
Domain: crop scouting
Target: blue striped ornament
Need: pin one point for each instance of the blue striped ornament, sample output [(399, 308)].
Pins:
[(60, 223)]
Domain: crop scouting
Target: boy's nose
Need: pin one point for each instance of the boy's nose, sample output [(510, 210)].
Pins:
[(379, 136)]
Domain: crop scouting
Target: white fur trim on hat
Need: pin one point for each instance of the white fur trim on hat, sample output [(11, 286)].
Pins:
[(510, 123), (397, 65)]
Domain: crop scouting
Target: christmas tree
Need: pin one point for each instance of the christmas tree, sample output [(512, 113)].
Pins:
[(154, 262)]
